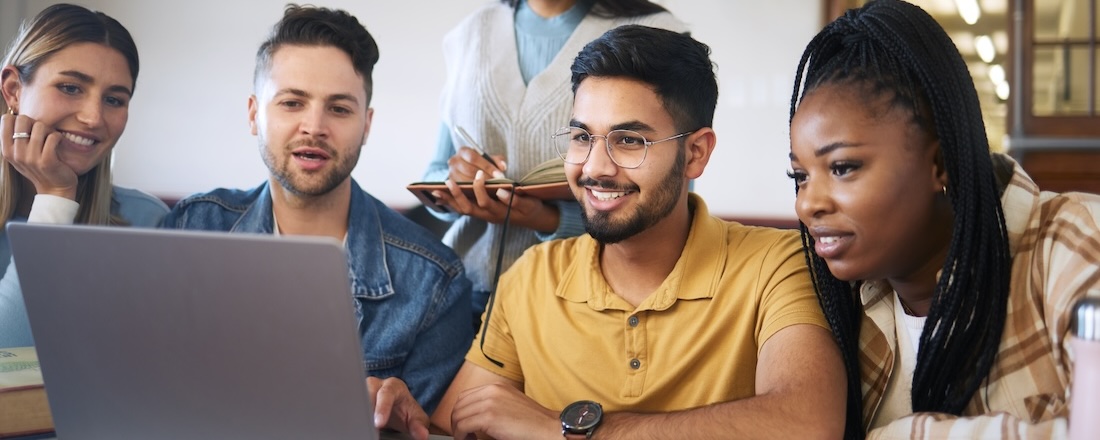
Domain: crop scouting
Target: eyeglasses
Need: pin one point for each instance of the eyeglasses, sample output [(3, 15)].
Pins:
[(626, 148)]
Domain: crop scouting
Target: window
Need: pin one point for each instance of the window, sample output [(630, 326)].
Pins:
[(984, 45), (1058, 70)]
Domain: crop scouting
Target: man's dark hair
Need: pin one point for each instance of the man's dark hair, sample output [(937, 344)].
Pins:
[(315, 26), (892, 49), (676, 65)]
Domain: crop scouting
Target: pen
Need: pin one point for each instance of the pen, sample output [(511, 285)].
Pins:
[(470, 143)]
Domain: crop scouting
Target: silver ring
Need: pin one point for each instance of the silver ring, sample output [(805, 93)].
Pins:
[(20, 135)]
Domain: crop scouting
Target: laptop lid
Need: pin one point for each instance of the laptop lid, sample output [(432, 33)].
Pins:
[(168, 334)]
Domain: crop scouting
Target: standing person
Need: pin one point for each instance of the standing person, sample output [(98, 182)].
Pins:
[(663, 321), (311, 114), (508, 87), (66, 80), (947, 275)]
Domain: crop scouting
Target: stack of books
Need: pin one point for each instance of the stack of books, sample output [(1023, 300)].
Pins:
[(23, 406)]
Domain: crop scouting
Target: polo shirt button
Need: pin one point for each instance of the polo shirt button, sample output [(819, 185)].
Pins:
[(635, 364), (633, 321)]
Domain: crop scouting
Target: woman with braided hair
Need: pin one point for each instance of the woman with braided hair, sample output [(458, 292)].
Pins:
[(933, 259)]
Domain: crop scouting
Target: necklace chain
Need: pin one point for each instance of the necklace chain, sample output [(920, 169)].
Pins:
[(906, 308)]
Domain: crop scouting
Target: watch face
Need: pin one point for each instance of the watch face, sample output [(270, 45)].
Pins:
[(581, 415)]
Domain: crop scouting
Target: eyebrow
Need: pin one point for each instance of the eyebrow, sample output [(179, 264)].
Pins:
[(87, 79), (829, 149), (630, 125), (330, 98)]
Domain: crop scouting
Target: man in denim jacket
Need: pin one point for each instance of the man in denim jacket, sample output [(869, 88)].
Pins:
[(310, 110)]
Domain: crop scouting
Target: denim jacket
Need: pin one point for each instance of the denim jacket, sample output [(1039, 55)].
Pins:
[(411, 291)]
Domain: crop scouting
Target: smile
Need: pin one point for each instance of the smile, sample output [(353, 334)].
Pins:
[(832, 246), (607, 195), (79, 140)]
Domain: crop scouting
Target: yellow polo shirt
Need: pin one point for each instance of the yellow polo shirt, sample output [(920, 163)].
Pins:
[(560, 330)]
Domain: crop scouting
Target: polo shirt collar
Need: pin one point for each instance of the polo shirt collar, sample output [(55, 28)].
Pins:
[(695, 276)]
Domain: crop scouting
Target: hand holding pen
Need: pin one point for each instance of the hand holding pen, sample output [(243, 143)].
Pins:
[(472, 164), (470, 159)]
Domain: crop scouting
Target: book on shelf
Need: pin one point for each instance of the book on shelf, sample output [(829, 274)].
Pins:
[(545, 182), (23, 406)]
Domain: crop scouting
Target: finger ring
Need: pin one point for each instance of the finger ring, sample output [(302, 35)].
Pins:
[(20, 135)]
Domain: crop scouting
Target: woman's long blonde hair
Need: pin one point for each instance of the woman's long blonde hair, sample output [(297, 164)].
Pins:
[(52, 30)]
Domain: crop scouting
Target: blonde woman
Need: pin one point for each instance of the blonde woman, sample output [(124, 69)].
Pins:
[(66, 84)]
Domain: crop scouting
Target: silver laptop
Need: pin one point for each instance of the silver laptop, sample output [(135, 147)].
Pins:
[(193, 335)]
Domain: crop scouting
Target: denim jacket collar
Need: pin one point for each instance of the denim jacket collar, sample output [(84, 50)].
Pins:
[(366, 268)]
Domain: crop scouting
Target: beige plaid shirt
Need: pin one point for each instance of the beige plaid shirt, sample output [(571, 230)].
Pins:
[(1055, 242)]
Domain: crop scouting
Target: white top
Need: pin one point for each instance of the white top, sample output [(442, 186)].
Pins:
[(897, 399), (53, 210)]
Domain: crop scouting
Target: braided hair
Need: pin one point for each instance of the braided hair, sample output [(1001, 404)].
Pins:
[(890, 48)]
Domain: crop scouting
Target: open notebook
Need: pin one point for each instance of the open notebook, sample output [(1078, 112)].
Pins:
[(546, 182)]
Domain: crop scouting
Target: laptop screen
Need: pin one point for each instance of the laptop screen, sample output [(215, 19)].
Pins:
[(169, 334)]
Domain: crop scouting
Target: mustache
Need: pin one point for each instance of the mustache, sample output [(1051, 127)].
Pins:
[(607, 185)]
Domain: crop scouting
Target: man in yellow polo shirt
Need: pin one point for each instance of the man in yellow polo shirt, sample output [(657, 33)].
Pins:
[(664, 321)]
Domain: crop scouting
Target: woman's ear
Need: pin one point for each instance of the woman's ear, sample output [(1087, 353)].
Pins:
[(10, 86), (699, 146), (939, 171)]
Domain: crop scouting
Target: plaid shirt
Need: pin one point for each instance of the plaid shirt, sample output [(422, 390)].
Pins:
[(1055, 243)]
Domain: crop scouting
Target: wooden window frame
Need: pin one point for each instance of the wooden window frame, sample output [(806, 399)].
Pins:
[(1023, 123)]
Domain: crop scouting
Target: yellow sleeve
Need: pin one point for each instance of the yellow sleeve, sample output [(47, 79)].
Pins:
[(495, 341), (787, 292)]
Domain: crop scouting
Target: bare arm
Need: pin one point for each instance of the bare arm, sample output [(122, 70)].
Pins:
[(800, 389), (469, 377), (800, 393)]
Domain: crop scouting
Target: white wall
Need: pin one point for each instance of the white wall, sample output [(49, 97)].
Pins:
[(188, 129)]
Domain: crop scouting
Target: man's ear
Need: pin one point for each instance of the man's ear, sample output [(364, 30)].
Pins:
[(253, 107), (10, 87), (699, 146), (370, 117)]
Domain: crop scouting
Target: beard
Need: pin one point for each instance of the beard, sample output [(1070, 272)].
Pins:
[(313, 183), (606, 230)]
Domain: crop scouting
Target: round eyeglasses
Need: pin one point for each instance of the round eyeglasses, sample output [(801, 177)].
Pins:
[(626, 148)]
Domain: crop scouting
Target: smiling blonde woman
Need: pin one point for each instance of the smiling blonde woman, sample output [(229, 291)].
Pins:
[(66, 84)]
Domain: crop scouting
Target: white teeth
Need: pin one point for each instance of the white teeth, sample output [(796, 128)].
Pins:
[(78, 139), (827, 240), (608, 195)]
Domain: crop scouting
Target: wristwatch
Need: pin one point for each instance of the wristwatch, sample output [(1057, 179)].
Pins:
[(580, 419)]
